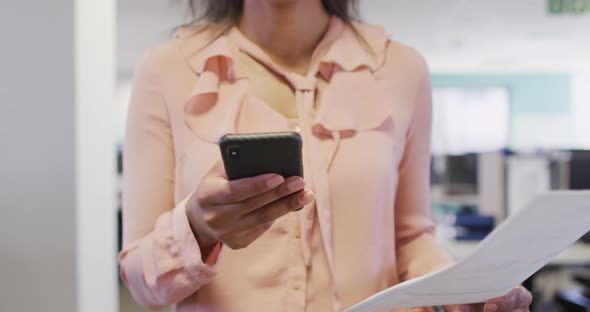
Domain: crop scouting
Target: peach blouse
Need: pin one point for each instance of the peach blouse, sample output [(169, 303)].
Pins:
[(364, 112)]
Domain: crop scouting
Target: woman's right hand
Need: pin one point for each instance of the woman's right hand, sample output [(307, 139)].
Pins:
[(237, 212)]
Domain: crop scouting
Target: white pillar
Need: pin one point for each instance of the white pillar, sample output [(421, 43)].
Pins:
[(95, 23), (57, 156)]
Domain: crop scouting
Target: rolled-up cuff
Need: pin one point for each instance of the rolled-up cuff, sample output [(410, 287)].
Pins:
[(202, 271)]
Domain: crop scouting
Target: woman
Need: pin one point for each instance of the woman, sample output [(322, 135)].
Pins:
[(362, 104)]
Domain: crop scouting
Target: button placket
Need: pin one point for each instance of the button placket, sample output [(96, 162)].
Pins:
[(296, 286), (294, 125), (298, 232), (305, 92), (297, 269)]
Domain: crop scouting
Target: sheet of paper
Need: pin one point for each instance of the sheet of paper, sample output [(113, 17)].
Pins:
[(514, 251)]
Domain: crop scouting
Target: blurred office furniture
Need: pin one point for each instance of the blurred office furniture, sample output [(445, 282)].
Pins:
[(455, 177), (491, 185), (576, 256), (460, 183), (573, 300), (470, 129), (474, 181), (469, 225), (527, 175), (579, 174), (578, 299), (500, 183), (456, 189)]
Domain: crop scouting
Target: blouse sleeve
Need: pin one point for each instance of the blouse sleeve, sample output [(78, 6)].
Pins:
[(416, 249), (160, 262)]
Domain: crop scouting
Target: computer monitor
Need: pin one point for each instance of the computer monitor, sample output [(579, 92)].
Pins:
[(462, 174), (456, 174)]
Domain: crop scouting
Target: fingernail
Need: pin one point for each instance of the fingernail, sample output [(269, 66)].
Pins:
[(275, 181), (306, 197), (490, 308), (296, 185)]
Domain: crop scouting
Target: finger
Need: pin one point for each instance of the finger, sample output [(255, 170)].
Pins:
[(525, 298), (503, 298), (220, 191), (517, 298), (491, 307), (473, 307), (290, 186), (504, 303), (277, 209), (457, 308), (513, 300)]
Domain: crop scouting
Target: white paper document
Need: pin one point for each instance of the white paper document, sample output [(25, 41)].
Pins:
[(515, 250)]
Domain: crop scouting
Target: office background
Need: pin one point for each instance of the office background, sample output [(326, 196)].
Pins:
[(65, 72)]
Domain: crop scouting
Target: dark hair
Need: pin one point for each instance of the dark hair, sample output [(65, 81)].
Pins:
[(230, 11)]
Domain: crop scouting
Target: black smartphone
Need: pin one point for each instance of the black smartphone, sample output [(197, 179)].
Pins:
[(248, 155)]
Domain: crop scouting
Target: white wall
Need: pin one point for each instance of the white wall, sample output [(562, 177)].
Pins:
[(456, 36), (51, 87), (534, 131), (470, 36), (37, 171)]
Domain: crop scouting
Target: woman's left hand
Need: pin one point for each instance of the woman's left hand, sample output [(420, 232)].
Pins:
[(517, 300)]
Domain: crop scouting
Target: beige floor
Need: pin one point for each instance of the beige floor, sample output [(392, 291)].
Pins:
[(126, 303)]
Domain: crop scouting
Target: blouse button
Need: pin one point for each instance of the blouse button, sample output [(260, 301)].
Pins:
[(174, 250), (298, 232)]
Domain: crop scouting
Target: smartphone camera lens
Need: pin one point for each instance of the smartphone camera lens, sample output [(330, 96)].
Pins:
[(233, 152)]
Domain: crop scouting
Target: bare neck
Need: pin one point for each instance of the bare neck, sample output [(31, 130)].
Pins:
[(287, 32)]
